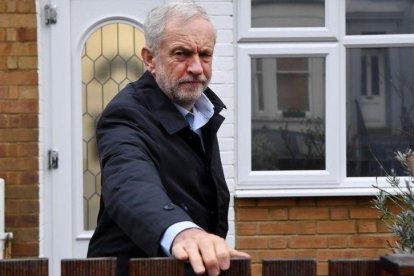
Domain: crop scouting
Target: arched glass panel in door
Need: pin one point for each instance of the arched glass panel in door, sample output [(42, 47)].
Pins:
[(110, 60)]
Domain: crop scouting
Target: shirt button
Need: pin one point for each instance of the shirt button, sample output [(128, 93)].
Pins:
[(169, 207)]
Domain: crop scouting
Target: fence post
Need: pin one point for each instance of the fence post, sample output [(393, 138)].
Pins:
[(26, 267), (354, 267), (286, 267), (89, 267)]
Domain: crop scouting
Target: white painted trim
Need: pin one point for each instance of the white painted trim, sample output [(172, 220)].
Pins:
[(245, 33), (285, 179)]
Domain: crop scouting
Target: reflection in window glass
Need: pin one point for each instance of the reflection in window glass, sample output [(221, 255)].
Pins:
[(380, 109), (110, 59), (282, 13), (289, 132), (367, 17)]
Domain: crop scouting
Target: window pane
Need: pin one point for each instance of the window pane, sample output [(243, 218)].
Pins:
[(110, 59), (380, 109), (364, 17), (289, 133), (282, 13)]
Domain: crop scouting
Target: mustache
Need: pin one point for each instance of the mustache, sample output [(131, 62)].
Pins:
[(200, 78)]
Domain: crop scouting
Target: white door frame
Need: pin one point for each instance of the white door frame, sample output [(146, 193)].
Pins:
[(61, 232)]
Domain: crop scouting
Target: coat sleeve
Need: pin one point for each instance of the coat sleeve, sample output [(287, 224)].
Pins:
[(132, 190)]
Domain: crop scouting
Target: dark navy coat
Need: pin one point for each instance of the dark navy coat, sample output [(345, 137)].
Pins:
[(154, 173)]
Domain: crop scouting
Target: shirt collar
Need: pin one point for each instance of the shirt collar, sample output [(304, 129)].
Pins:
[(202, 111)]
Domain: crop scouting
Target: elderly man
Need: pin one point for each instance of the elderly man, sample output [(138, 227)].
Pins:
[(163, 187)]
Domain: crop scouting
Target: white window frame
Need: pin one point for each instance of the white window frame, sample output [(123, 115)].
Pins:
[(268, 180), (247, 33), (331, 42)]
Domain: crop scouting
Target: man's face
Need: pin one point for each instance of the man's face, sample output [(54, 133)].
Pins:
[(182, 66)]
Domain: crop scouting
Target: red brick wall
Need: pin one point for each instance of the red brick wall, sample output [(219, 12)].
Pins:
[(322, 228), (19, 123)]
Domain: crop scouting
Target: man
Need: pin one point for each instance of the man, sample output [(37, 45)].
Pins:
[(163, 187)]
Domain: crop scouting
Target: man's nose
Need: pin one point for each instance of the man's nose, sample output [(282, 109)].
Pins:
[(194, 65)]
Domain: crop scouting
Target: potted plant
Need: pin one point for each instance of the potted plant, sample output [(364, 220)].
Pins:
[(399, 221)]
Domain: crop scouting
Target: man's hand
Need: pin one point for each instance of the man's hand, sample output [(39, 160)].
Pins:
[(204, 251)]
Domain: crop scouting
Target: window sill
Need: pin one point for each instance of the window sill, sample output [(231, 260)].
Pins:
[(324, 192)]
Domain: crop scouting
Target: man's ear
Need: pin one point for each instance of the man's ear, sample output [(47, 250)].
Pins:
[(148, 59)]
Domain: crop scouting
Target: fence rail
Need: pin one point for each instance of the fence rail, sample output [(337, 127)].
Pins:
[(392, 265)]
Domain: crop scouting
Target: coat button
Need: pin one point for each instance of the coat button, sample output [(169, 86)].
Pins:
[(169, 207)]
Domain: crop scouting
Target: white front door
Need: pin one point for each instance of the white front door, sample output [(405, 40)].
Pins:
[(92, 51)]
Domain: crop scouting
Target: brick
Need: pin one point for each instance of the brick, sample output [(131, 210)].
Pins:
[(365, 241), (11, 6), (18, 149), (307, 227), (327, 254), (26, 7), (336, 201), (3, 6), (19, 135), (364, 201), (18, 77), (338, 241), (256, 269), (21, 206), (11, 34), (322, 268), (281, 253), (369, 253), (26, 34), (306, 253), (19, 164), (28, 178), (27, 63), (18, 20), (245, 202), (12, 62), (25, 234), (306, 201), (308, 242), (18, 120), (339, 213), (2, 34), (278, 242), (308, 213), (19, 220), (5, 49), (279, 214), (251, 242), (367, 226), (252, 214), (276, 202), (382, 227), (22, 192), (334, 227), (26, 106), (24, 49), (28, 92), (246, 229), (364, 212), (278, 228), (25, 249)]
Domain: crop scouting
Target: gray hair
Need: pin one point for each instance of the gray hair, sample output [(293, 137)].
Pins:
[(157, 19)]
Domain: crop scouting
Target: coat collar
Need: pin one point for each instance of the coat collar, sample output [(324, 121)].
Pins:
[(163, 108)]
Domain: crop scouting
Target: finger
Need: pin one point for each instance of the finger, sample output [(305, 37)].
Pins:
[(195, 258), (236, 253), (223, 254), (208, 253), (179, 252)]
